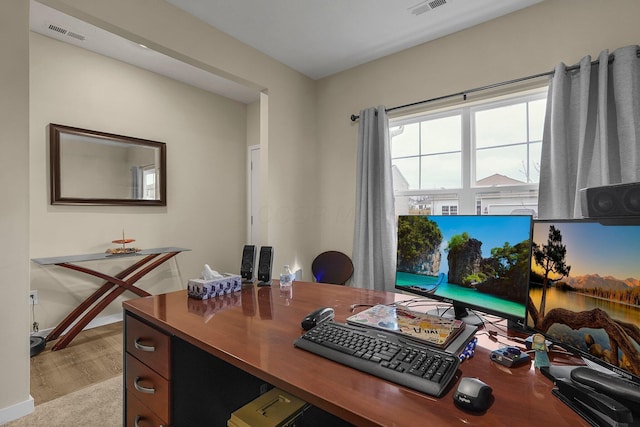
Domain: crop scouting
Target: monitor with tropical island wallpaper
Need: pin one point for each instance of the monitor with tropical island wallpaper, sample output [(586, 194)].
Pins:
[(474, 262)]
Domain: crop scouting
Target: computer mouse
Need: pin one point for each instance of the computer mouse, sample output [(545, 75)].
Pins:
[(317, 316), (473, 394)]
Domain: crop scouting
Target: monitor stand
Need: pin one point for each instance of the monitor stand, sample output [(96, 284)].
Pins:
[(458, 312), (517, 326)]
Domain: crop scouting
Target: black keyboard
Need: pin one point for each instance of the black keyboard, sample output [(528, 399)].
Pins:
[(387, 356)]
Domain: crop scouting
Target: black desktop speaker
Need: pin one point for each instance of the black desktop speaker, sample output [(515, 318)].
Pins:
[(618, 200), (265, 263), (248, 261)]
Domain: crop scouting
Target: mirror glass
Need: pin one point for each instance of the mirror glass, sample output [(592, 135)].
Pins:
[(91, 167)]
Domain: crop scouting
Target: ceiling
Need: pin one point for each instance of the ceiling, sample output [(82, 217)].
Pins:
[(316, 38), (320, 38)]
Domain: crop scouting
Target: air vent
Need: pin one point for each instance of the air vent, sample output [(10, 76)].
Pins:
[(64, 31), (57, 29), (426, 6), (76, 36)]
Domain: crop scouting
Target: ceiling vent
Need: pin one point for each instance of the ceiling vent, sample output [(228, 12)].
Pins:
[(57, 29), (426, 6), (64, 31), (76, 36)]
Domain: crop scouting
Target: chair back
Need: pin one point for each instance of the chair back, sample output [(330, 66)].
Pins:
[(332, 267)]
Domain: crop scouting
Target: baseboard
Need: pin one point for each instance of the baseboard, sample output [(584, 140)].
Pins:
[(98, 321), (16, 411)]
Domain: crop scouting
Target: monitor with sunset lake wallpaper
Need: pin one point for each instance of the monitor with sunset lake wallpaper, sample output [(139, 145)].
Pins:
[(584, 294)]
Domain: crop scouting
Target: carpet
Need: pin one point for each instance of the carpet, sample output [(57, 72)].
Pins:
[(99, 405)]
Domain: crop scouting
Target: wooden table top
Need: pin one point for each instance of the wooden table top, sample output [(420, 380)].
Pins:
[(254, 329)]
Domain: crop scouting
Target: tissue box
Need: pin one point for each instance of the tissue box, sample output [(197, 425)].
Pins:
[(205, 289)]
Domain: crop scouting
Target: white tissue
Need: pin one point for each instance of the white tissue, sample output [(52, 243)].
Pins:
[(209, 274)]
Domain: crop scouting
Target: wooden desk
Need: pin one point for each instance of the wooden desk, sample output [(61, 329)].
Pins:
[(251, 333), (113, 286)]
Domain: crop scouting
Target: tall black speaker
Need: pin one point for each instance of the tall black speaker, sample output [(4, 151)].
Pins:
[(248, 261), (618, 200), (265, 263)]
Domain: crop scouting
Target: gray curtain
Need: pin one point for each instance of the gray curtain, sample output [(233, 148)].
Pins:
[(137, 182), (591, 130), (374, 243)]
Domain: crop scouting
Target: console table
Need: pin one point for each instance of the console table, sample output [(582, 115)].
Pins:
[(110, 289), (193, 362)]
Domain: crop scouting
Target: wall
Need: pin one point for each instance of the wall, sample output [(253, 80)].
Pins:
[(524, 43), (287, 197), (14, 211), (205, 137)]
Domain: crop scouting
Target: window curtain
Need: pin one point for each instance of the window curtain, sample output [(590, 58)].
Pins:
[(137, 182), (374, 243), (591, 130)]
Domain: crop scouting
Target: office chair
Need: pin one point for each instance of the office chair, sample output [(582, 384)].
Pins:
[(332, 267)]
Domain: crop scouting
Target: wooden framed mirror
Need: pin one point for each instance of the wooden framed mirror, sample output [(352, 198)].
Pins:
[(96, 168)]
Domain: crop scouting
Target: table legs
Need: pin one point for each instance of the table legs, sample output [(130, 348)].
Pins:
[(113, 287)]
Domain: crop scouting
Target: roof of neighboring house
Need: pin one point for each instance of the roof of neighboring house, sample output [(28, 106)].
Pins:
[(497, 179), (399, 181)]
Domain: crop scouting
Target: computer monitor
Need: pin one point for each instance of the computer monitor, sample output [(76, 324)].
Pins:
[(474, 262), (584, 294)]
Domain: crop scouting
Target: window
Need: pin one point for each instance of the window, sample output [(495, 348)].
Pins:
[(149, 182), (473, 159), (450, 210)]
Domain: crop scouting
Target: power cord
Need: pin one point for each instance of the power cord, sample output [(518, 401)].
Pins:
[(35, 326), (36, 343)]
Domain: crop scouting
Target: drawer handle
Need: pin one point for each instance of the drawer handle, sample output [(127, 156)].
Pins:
[(142, 389), (143, 347), (137, 420)]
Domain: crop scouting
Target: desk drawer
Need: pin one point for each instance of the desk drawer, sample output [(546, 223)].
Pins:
[(146, 385), (148, 345), (139, 415)]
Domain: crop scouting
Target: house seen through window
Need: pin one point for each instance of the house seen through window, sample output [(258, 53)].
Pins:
[(475, 159)]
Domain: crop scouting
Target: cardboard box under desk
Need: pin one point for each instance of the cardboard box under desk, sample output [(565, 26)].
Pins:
[(274, 408)]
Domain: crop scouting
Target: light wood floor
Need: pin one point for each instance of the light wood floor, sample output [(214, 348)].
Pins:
[(95, 355)]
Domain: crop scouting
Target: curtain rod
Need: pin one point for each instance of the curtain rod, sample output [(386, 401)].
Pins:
[(464, 93), (491, 86)]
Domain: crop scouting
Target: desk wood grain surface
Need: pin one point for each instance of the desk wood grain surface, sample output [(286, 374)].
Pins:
[(254, 330)]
